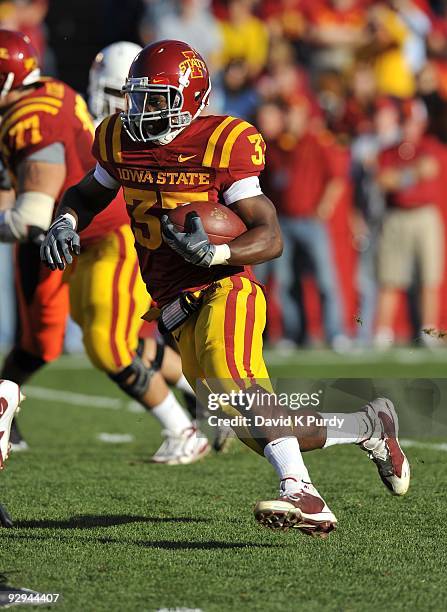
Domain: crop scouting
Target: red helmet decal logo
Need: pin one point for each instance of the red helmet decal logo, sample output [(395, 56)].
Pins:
[(30, 63), (4, 53), (193, 62)]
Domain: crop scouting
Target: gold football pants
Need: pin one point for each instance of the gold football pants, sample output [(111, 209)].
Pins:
[(221, 344), (108, 298)]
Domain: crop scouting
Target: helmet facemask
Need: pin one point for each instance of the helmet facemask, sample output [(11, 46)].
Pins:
[(153, 111), (104, 99)]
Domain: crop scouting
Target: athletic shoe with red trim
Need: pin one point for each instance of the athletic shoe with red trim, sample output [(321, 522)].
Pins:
[(302, 509), (383, 446), (10, 398), (180, 449)]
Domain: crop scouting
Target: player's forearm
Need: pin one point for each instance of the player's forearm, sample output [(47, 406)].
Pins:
[(84, 201), (255, 246), (78, 207)]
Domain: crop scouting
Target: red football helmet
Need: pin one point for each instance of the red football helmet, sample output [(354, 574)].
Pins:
[(167, 87), (18, 61)]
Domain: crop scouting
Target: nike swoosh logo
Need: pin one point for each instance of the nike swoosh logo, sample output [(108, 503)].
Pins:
[(183, 158)]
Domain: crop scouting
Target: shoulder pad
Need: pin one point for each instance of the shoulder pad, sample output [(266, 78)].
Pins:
[(107, 145)]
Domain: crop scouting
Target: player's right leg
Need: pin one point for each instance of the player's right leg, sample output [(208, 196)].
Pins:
[(222, 345), (108, 298), (43, 309)]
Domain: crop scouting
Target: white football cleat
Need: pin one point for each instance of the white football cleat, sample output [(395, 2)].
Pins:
[(383, 446), (179, 449), (303, 509), (10, 398)]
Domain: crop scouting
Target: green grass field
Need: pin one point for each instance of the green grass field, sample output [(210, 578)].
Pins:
[(97, 523)]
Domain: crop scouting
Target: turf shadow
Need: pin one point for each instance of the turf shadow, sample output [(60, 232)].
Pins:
[(159, 544), (87, 521), (211, 545)]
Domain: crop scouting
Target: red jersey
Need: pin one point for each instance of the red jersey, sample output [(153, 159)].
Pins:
[(313, 161), (404, 155), (53, 113), (200, 164)]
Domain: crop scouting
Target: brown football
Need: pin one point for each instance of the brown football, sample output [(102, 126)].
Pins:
[(220, 223)]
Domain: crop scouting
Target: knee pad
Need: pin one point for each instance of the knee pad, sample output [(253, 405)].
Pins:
[(140, 376), (159, 352)]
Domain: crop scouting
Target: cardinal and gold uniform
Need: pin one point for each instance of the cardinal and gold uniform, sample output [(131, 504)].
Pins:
[(223, 339), (104, 286)]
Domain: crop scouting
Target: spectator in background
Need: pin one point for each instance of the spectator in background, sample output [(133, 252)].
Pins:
[(244, 36), (270, 121), (433, 91), (239, 97), (385, 50), (331, 93), (313, 183), (285, 79), (409, 175), (285, 18), (193, 22), (369, 204), (8, 15), (337, 30), (419, 26), (360, 100)]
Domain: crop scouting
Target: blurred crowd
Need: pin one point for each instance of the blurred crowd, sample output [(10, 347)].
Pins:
[(351, 99)]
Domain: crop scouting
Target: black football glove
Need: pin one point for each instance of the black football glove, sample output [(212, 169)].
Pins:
[(193, 244), (60, 242)]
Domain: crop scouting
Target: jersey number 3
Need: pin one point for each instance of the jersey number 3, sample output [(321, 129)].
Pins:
[(258, 158)]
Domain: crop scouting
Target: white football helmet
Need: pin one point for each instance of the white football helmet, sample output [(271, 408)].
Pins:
[(107, 76)]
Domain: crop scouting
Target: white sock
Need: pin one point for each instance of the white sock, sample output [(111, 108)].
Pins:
[(356, 428), (183, 385), (285, 456), (171, 415)]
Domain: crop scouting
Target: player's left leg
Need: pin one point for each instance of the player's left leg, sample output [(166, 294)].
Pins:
[(375, 430), (222, 345), (107, 298)]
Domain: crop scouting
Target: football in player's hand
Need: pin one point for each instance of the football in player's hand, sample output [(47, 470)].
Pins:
[(220, 223)]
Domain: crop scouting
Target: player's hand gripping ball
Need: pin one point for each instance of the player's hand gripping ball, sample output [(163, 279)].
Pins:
[(193, 230)]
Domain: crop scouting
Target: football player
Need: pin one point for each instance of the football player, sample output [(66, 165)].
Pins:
[(46, 136), (164, 154)]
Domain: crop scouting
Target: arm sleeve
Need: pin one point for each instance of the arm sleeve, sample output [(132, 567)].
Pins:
[(244, 188), (104, 178), (51, 154)]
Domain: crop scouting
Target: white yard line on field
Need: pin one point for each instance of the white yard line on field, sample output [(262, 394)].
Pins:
[(115, 438), (112, 403), (441, 446), (75, 399), (319, 357), (322, 357)]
